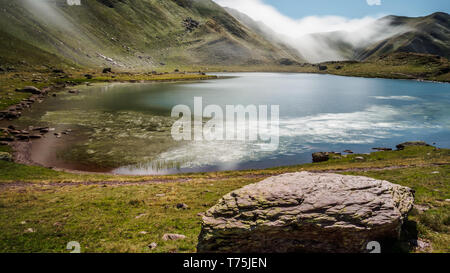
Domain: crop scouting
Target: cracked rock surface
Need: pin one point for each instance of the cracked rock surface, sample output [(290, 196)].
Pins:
[(306, 212)]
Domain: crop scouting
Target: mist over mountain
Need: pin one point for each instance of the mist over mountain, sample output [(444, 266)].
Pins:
[(358, 39), (428, 34), (151, 34)]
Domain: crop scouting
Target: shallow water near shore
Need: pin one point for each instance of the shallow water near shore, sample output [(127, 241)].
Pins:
[(126, 128)]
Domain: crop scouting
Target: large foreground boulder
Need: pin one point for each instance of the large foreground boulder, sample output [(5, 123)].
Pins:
[(306, 212)]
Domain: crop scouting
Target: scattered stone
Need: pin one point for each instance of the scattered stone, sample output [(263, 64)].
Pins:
[(74, 91), (107, 70), (143, 232), (160, 195), (447, 200), (23, 222), (421, 208), (4, 156), (182, 206), (348, 151), (360, 158), (58, 71), (382, 149), (306, 212), (173, 237), (436, 172), (88, 76), (141, 215), (30, 230), (323, 156), (22, 137), (190, 24), (30, 89), (421, 245), (153, 246), (15, 132), (323, 67), (12, 114), (411, 143)]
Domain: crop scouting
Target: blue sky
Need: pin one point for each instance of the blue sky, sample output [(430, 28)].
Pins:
[(358, 8)]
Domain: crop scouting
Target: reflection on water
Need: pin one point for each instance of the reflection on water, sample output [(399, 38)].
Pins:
[(126, 127)]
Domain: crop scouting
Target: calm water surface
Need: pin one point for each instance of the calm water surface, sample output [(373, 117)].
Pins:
[(125, 128)]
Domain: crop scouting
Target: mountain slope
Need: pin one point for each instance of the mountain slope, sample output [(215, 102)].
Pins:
[(264, 31), (132, 34), (429, 34)]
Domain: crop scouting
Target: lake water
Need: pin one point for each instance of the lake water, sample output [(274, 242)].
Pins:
[(125, 128)]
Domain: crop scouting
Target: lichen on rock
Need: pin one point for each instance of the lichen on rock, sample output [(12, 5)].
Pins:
[(306, 212)]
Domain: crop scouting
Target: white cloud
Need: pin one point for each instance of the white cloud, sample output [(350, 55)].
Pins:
[(355, 31), (374, 2), (285, 25)]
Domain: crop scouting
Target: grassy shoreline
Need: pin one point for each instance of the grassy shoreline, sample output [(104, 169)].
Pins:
[(41, 209), (410, 66)]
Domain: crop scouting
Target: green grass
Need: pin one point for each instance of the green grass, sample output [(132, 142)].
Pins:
[(112, 218)]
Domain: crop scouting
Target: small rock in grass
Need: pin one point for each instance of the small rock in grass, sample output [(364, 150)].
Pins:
[(4, 156), (436, 172), (173, 237), (30, 230), (160, 195), (359, 158), (143, 232), (153, 246), (182, 206), (141, 215), (421, 245), (420, 208)]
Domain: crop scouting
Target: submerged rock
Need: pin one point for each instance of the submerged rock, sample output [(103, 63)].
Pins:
[(306, 212)]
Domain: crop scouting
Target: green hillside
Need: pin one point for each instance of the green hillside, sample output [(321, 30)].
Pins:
[(129, 34), (429, 34)]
